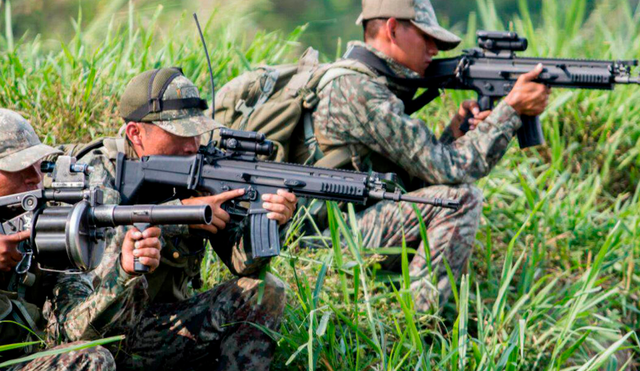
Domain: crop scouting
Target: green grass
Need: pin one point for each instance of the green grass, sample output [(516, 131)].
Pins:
[(553, 281)]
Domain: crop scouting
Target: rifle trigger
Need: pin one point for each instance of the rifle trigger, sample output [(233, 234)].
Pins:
[(292, 183)]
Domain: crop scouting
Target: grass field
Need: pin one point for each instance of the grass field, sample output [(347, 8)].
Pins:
[(552, 283)]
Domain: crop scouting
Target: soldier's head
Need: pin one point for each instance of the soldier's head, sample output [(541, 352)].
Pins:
[(405, 30), (163, 113), (20, 154)]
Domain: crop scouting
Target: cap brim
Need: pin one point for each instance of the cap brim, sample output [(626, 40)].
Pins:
[(445, 40), (190, 126), (360, 19), (27, 157)]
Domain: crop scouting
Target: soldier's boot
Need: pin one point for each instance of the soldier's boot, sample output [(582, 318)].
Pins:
[(451, 234)]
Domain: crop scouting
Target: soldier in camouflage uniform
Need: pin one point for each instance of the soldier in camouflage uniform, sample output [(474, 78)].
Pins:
[(167, 327), (366, 115), (20, 154)]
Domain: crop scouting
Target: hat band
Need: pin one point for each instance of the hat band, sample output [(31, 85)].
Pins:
[(157, 105)]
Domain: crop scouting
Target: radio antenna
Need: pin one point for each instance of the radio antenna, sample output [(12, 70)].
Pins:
[(213, 86)]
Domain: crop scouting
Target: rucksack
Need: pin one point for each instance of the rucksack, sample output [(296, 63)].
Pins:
[(278, 100)]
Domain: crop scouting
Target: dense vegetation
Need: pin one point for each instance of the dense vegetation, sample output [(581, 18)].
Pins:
[(553, 281)]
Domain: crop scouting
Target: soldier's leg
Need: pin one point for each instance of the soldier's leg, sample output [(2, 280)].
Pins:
[(218, 329), (90, 359), (451, 234)]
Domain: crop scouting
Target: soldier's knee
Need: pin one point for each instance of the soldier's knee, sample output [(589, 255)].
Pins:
[(470, 197), (274, 291), (94, 358)]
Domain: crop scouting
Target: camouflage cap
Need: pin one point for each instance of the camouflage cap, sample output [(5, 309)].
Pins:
[(166, 98), (419, 12), (19, 143)]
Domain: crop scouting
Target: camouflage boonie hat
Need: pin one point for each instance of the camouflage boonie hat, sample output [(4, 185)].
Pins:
[(20, 146), (419, 12), (166, 98)]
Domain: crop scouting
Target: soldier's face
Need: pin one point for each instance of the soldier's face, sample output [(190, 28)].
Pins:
[(25, 180), (414, 49), (157, 141)]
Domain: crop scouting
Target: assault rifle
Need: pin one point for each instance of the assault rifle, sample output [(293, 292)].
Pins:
[(236, 166), (493, 69), (68, 221)]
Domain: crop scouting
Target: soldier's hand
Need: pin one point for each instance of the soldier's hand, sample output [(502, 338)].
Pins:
[(466, 107), (143, 245), (528, 97), (220, 217), (9, 254), (281, 206)]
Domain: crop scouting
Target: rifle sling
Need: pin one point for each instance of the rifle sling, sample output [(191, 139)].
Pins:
[(381, 67)]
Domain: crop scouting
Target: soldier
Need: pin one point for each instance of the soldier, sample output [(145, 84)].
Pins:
[(20, 155), (166, 326), (364, 115)]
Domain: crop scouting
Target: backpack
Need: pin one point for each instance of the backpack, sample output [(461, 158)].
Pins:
[(274, 100)]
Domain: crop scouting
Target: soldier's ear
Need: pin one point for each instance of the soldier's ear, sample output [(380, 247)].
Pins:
[(133, 131), (391, 28)]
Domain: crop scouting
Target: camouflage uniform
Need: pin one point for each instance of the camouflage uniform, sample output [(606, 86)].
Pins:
[(166, 326), (21, 148), (90, 359), (359, 111)]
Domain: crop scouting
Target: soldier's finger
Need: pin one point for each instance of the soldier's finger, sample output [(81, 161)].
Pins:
[(153, 242), (218, 223), (533, 74), (279, 217), (482, 115), (288, 195), (15, 255), (147, 252), (274, 198), (134, 234), (151, 232), (221, 214), (17, 237), (229, 195), (278, 208)]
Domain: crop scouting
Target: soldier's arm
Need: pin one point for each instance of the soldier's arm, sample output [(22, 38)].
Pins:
[(229, 244), (84, 313), (385, 127)]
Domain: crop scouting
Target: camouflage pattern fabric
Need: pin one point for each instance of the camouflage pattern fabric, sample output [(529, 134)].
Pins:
[(185, 122), (164, 323), (451, 234), (419, 12), (20, 147), (90, 359), (220, 329), (356, 110)]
